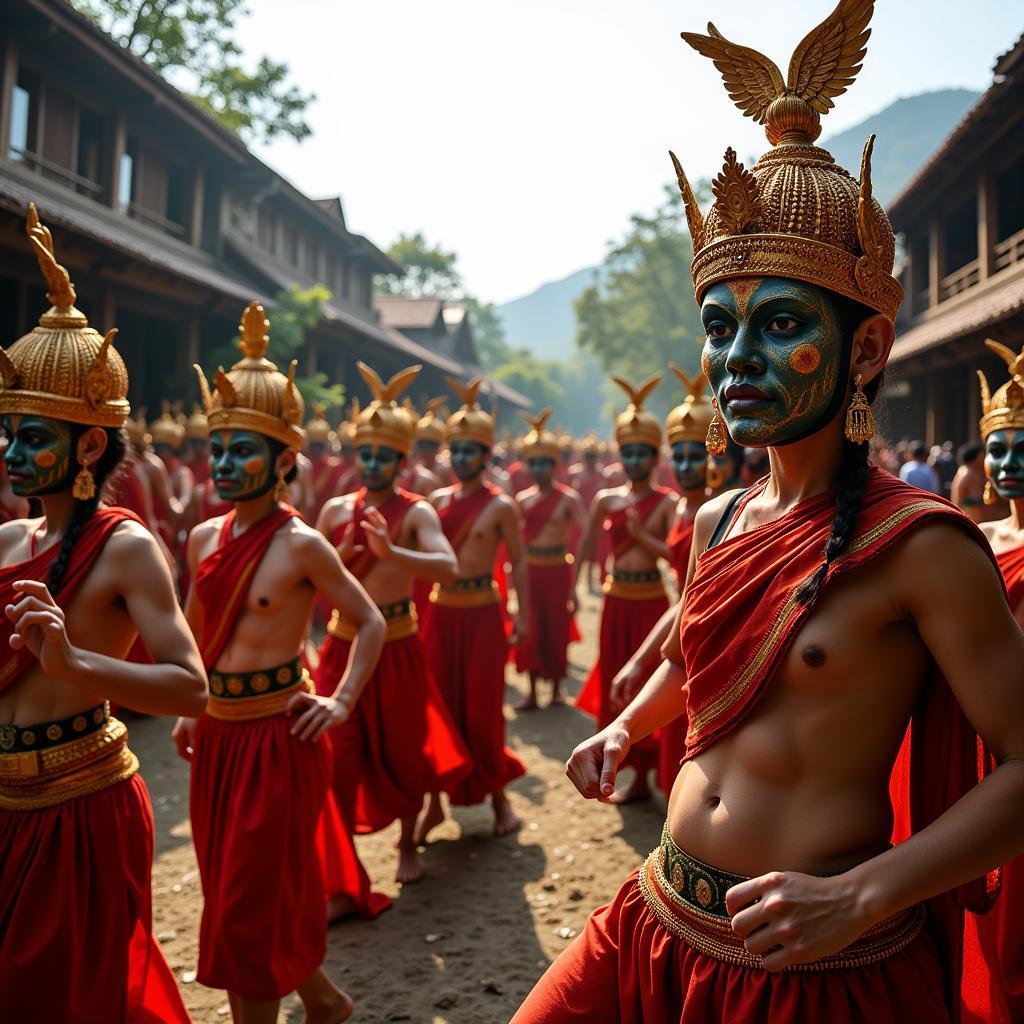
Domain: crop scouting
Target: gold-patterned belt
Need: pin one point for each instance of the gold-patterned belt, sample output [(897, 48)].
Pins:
[(634, 586), (473, 592), (548, 556), (97, 756), (399, 620), (689, 902), (245, 696)]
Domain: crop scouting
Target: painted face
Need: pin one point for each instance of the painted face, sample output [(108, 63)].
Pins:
[(1004, 462), (721, 471), (39, 455), (468, 459), (690, 463), (773, 354), (241, 464), (377, 466), (428, 449), (541, 469), (638, 461)]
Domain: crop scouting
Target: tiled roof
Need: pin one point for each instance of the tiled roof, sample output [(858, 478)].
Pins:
[(407, 314)]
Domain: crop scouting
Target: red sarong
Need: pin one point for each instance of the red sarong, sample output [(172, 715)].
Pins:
[(680, 540), (544, 653)]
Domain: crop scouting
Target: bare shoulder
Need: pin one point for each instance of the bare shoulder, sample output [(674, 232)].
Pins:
[(132, 540), (505, 503), (605, 495), (441, 496), (14, 532), (422, 513), (342, 503), (939, 549), (526, 494), (708, 515)]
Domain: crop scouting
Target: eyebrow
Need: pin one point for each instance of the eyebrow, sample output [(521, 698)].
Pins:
[(776, 298)]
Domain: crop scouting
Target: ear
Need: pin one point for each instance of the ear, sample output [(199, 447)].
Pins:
[(285, 462), (872, 342), (91, 446)]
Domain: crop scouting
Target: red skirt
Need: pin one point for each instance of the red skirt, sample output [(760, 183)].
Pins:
[(671, 747), (76, 940), (398, 744), (257, 796), (545, 651), (466, 650), (627, 968), (421, 601)]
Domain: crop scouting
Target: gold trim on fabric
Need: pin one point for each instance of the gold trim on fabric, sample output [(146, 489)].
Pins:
[(450, 598), (633, 591), (563, 558), (394, 629), (247, 709)]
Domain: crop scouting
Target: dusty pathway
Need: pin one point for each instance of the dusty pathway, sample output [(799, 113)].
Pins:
[(466, 944)]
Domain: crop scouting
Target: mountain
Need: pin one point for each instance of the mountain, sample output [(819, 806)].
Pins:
[(909, 130)]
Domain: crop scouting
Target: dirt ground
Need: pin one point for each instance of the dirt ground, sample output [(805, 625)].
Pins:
[(466, 944)]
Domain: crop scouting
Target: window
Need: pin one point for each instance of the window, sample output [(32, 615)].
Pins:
[(126, 176), (177, 190), (24, 114), (90, 147)]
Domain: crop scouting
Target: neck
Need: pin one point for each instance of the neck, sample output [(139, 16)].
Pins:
[(640, 487), (380, 496), (252, 511), (546, 487), (472, 486), (57, 511), (695, 496), (803, 469), (1017, 514)]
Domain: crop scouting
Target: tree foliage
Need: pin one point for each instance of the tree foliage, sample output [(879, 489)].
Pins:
[(430, 270), (190, 43)]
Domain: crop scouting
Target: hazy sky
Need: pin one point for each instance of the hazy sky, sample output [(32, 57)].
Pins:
[(523, 135)]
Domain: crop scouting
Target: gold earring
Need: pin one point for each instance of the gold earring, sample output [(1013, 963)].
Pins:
[(717, 440), (281, 487), (989, 495), (860, 423), (84, 488)]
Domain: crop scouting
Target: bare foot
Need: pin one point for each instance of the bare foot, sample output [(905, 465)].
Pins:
[(338, 907), (556, 697), (410, 869), (506, 821), (635, 791), (526, 704), (429, 820), (334, 1011)]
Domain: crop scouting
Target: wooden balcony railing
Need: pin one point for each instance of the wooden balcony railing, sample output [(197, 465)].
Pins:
[(154, 220), (55, 172), (1008, 252), (960, 280)]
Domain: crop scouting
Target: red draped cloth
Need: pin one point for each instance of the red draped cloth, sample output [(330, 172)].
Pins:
[(75, 878), (328, 474), (679, 540)]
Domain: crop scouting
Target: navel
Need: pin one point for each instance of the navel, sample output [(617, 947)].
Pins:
[(813, 655), (263, 602)]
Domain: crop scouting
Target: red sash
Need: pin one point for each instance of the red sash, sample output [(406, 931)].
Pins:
[(615, 524), (741, 616), (679, 540), (128, 492), (1011, 565), (95, 534), (537, 515), (459, 516), (223, 578), (393, 510)]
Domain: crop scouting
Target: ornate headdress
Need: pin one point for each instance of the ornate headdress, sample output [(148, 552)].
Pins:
[(255, 395), (797, 213), (591, 444), (318, 430), (431, 425), (167, 428), (347, 427), (383, 421), (638, 425), (540, 443), (196, 426), (470, 423), (690, 420), (135, 428), (63, 369), (1005, 409)]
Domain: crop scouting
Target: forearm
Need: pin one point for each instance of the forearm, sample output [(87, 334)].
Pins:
[(435, 566), (522, 585), (362, 659), (651, 544), (659, 702)]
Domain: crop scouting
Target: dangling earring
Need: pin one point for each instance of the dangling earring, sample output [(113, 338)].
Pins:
[(84, 488), (717, 440), (281, 487), (989, 495), (860, 423)]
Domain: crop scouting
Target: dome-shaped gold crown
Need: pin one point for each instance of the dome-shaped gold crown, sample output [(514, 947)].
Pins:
[(135, 428), (255, 395), (1005, 409), (797, 213), (690, 420), (470, 423), (167, 428), (591, 444), (318, 430), (196, 426), (383, 421), (347, 427), (539, 443), (431, 425), (638, 425), (62, 369)]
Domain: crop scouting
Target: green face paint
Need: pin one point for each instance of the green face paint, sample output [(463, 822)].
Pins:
[(690, 464), (773, 352), (38, 457), (241, 464), (1004, 462), (377, 466)]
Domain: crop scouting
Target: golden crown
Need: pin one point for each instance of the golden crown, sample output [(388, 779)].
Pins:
[(347, 427), (383, 421), (690, 420), (167, 428), (431, 425), (318, 430), (540, 443), (638, 425), (796, 213), (1005, 409), (255, 395), (62, 368), (196, 426), (470, 422)]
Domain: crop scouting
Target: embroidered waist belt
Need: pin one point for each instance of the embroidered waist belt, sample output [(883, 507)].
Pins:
[(548, 556), (687, 897), (634, 586), (399, 620), (244, 696), (473, 592), (45, 764)]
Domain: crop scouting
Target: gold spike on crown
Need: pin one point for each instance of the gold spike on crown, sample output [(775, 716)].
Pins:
[(638, 425), (383, 422), (62, 369), (318, 430), (431, 425), (166, 428), (796, 213), (196, 426), (1003, 410), (255, 395), (470, 422), (690, 420), (540, 443)]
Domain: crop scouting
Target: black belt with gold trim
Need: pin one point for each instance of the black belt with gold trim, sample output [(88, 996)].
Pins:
[(239, 685), (624, 576), (15, 739)]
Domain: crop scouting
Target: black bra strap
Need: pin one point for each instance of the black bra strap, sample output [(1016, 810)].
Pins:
[(726, 520)]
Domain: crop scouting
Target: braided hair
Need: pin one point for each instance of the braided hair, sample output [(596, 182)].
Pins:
[(851, 477), (103, 471)]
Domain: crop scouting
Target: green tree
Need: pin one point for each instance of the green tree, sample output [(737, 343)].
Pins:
[(190, 42), (429, 270)]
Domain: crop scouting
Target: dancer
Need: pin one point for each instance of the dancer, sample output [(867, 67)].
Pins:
[(549, 511), (589, 477), (399, 743), (327, 471), (260, 769), (77, 584), (466, 644), (827, 605), (636, 518)]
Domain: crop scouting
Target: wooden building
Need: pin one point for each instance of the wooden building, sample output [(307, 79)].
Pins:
[(962, 224), (167, 223)]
